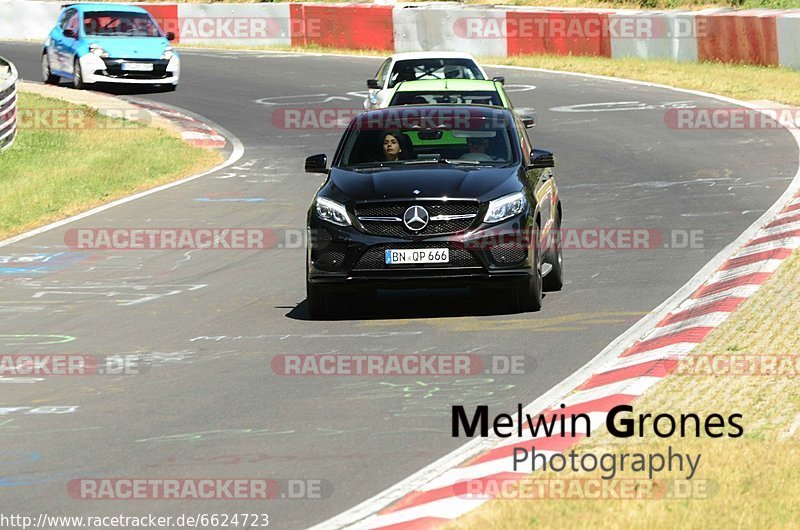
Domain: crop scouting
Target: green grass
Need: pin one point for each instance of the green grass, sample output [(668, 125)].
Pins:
[(50, 173), (745, 82)]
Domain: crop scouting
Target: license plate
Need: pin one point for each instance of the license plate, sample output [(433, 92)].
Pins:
[(417, 255), (137, 67)]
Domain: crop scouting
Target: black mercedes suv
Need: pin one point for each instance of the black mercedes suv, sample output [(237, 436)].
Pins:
[(434, 195)]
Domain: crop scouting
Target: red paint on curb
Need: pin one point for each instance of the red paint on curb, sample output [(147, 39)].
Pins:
[(558, 43), (738, 38)]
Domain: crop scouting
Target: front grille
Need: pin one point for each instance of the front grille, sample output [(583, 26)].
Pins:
[(375, 257), (434, 208), (508, 253), (114, 69)]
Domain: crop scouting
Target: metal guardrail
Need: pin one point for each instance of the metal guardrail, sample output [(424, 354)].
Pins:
[(8, 103)]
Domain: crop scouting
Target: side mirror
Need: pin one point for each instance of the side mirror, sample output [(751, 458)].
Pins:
[(170, 36), (70, 33), (541, 159), (317, 164), (374, 84), (528, 121), (500, 79)]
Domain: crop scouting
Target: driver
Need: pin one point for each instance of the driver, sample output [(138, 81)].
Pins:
[(477, 149)]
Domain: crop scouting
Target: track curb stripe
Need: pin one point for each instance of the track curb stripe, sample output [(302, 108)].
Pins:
[(642, 365)]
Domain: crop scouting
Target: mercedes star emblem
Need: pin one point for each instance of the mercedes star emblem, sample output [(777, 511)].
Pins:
[(416, 218)]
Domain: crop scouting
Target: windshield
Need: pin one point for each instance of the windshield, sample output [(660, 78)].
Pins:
[(417, 136), (477, 97), (414, 69), (119, 24)]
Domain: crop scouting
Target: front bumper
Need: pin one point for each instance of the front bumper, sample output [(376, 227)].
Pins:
[(487, 256), (98, 70)]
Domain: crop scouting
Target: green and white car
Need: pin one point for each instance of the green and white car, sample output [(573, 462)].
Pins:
[(456, 91), (449, 91)]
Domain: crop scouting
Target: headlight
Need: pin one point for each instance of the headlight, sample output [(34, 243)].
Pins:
[(97, 50), (168, 53), (331, 211), (505, 207)]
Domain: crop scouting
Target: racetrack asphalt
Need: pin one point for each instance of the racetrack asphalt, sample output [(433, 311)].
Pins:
[(209, 322)]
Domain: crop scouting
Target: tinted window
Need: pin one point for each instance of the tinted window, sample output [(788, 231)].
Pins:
[(119, 24), (482, 97), (425, 136), (65, 18), (413, 69), (72, 23), (381, 75)]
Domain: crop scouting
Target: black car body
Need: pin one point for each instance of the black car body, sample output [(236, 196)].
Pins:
[(439, 198)]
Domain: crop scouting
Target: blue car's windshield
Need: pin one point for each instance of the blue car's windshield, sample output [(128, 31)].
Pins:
[(119, 24)]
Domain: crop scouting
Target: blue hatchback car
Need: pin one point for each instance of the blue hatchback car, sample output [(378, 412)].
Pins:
[(109, 43)]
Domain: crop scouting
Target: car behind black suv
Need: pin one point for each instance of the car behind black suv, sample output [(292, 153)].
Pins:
[(429, 195)]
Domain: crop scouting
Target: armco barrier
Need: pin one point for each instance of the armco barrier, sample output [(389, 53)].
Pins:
[(748, 37), (558, 33), (789, 40), (360, 27), (249, 24), (476, 31), (673, 36), (8, 103)]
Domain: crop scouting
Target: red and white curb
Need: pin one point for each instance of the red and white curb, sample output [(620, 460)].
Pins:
[(193, 131), (627, 377), (623, 371)]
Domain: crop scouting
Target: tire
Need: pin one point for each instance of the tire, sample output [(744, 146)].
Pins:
[(527, 294), (77, 75), (554, 280), (47, 76), (170, 88), (320, 301)]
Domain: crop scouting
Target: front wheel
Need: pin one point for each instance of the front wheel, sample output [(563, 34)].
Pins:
[(47, 75), (527, 294), (77, 76), (554, 280), (320, 301)]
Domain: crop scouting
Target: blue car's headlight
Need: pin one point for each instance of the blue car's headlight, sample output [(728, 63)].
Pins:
[(331, 211), (98, 50), (505, 207), (168, 53)]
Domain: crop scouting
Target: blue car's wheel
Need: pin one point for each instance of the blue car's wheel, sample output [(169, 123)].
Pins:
[(47, 76), (77, 75)]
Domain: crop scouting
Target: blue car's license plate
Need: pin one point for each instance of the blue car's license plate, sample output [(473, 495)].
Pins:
[(137, 67)]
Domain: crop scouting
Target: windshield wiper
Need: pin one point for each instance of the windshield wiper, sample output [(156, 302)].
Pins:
[(370, 169), (450, 161)]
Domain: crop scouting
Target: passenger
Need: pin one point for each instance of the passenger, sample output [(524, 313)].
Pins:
[(397, 146), (391, 146)]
